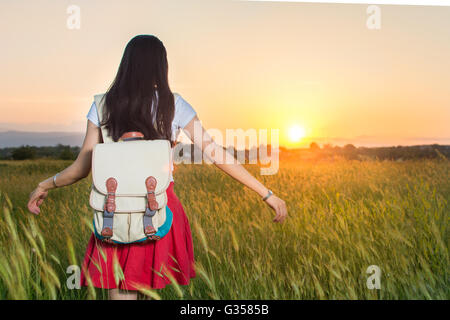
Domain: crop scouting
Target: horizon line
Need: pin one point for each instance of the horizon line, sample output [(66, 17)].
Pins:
[(370, 139)]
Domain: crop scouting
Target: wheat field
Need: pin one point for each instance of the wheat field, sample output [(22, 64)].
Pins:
[(344, 216)]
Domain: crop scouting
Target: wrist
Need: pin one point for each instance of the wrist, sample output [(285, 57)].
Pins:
[(262, 191), (43, 186), (47, 184)]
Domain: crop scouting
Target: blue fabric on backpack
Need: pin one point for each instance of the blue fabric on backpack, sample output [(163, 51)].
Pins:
[(162, 231)]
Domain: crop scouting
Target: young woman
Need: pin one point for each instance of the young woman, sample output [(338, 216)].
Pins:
[(140, 99)]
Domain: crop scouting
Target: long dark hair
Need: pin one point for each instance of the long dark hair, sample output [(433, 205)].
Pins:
[(139, 99)]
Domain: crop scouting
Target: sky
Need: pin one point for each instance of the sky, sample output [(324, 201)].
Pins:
[(249, 65)]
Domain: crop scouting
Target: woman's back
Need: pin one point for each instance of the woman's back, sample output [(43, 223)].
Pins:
[(184, 113)]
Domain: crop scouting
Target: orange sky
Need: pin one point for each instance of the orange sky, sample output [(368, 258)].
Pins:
[(240, 65)]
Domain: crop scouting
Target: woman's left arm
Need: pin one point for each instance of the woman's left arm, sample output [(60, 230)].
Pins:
[(78, 170)]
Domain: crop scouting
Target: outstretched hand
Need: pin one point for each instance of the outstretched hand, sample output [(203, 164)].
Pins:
[(37, 196), (279, 206)]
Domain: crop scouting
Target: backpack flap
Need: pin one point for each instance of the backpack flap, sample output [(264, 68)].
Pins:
[(130, 163)]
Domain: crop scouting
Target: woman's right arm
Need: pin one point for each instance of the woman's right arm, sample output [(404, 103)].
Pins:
[(226, 162)]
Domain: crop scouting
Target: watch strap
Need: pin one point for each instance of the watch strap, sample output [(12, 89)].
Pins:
[(269, 193)]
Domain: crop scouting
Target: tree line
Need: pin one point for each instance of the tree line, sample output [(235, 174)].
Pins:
[(349, 151), (24, 152)]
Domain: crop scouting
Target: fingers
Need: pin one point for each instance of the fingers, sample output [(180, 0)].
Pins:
[(277, 215), (281, 211), (35, 201), (284, 211), (32, 204), (33, 208), (277, 211)]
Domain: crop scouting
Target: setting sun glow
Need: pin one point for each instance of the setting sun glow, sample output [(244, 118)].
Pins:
[(296, 133)]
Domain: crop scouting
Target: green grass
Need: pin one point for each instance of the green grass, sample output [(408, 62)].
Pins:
[(343, 217)]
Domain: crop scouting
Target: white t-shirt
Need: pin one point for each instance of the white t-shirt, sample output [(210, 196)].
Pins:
[(184, 113)]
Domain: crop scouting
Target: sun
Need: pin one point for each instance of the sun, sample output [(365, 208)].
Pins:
[(296, 133)]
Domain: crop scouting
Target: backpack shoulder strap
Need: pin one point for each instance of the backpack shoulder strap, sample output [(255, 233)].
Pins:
[(100, 103), (175, 98)]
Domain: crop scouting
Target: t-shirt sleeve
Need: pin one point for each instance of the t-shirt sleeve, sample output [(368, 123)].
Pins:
[(184, 112), (92, 115)]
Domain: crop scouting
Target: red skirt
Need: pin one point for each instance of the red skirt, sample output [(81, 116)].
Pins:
[(149, 265)]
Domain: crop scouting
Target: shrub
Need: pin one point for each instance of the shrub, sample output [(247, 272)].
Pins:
[(24, 152)]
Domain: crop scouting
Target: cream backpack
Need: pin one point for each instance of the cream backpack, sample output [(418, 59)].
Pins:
[(129, 182)]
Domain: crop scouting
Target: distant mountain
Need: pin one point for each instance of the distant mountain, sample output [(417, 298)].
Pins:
[(17, 138)]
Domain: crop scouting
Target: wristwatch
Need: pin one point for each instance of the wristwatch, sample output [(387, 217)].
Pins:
[(268, 195), (54, 180)]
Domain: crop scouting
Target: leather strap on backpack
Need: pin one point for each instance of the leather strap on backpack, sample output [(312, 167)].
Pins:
[(131, 135), (108, 210), (151, 208)]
